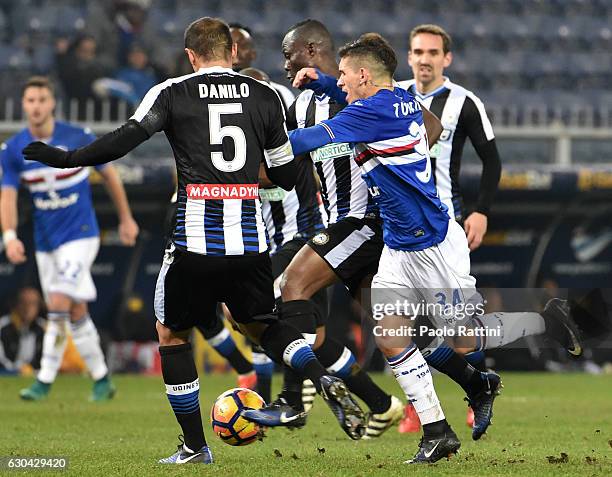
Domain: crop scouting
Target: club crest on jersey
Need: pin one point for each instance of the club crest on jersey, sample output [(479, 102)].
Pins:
[(331, 151), (445, 135), (321, 238)]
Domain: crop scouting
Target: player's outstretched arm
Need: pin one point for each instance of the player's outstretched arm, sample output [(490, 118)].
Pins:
[(105, 149), (320, 83)]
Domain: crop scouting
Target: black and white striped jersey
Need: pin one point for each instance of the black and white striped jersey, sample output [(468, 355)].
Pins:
[(343, 190), (462, 115), (221, 125), (293, 213)]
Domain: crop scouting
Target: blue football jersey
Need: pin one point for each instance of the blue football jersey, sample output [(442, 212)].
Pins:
[(391, 146), (61, 198)]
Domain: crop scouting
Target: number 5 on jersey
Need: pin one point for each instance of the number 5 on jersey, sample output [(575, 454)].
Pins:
[(217, 133)]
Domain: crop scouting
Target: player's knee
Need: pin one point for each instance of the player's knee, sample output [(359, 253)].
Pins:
[(320, 338), (167, 337), (392, 345), (78, 311), (294, 282), (463, 350)]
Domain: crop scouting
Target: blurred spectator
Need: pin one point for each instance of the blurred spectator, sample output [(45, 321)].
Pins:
[(21, 334), (117, 24), (132, 82), (77, 68)]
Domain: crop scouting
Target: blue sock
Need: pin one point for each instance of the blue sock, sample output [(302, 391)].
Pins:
[(343, 367), (223, 342)]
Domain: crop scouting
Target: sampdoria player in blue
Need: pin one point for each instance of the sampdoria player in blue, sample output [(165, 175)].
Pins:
[(426, 255)]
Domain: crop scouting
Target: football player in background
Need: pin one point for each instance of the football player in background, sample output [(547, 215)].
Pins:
[(463, 116), (66, 235)]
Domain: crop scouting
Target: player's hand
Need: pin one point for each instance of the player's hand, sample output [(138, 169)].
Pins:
[(305, 76), (15, 252), (475, 228), (128, 231), (41, 152)]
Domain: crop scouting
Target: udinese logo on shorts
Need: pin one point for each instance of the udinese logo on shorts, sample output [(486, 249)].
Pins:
[(320, 239)]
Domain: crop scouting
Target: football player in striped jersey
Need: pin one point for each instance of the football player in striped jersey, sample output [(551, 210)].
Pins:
[(221, 126)]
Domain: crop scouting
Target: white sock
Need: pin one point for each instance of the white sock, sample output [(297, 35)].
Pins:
[(54, 344), (87, 341), (505, 328), (412, 373)]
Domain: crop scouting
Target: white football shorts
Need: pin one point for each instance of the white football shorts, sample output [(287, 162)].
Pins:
[(435, 282), (67, 269)]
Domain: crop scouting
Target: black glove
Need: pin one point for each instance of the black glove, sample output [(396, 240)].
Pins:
[(52, 156)]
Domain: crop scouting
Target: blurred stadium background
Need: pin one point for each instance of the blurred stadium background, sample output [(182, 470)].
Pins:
[(542, 67)]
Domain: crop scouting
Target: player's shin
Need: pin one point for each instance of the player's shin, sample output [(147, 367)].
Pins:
[(264, 368), (286, 345), (87, 341), (500, 329), (440, 356), (413, 375), (182, 388), (220, 338), (54, 345), (340, 361)]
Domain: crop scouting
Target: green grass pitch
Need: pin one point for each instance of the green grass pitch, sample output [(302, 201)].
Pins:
[(538, 415)]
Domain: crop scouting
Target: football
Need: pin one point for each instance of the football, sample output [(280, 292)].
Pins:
[(225, 417)]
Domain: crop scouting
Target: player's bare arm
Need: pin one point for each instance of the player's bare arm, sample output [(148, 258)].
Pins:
[(128, 228), (15, 251), (433, 126)]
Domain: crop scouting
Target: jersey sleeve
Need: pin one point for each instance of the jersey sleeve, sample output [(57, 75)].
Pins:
[(277, 148), (11, 171), (87, 138), (291, 118), (154, 110), (328, 85), (358, 122), (475, 121)]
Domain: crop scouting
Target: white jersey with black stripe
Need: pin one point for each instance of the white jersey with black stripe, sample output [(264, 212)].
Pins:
[(343, 190), (462, 115)]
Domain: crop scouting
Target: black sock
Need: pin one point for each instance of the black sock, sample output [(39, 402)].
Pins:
[(180, 375), (435, 429), (292, 387), (333, 354), (477, 359), (283, 343), (447, 361), (440, 356), (300, 314)]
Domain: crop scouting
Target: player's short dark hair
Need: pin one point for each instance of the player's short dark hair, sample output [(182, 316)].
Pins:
[(374, 47), (240, 26), (209, 38), (447, 41), (38, 82), (313, 31)]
